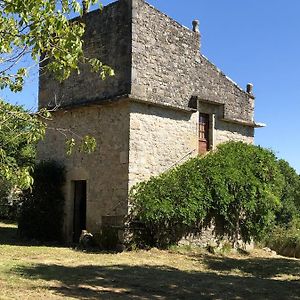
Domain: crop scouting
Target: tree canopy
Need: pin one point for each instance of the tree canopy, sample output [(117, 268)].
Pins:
[(19, 133), (38, 30)]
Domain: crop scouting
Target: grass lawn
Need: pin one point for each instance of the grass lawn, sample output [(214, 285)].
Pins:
[(39, 272)]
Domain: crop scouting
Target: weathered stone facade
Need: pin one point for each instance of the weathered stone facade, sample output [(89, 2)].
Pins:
[(105, 170), (107, 37), (159, 138), (145, 119)]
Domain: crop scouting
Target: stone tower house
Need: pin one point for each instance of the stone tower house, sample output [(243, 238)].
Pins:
[(166, 103)]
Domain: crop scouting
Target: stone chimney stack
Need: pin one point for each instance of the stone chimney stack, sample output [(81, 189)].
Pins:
[(84, 7), (249, 88), (196, 27)]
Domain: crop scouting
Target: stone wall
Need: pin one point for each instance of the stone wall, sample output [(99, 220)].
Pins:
[(167, 66), (106, 170), (155, 59), (225, 131), (108, 38), (159, 139)]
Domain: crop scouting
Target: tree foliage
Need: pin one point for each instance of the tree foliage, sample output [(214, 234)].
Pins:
[(284, 238), (42, 207), (239, 185), (19, 133), (290, 198), (41, 29), (38, 31)]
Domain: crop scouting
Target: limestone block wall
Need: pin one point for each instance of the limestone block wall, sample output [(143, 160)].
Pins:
[(106, 170), (167, 66), (159, 138), (225, 132), (108, 38), (155, 59)]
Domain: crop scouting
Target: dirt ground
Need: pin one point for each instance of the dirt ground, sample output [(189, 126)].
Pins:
[(41, 272)]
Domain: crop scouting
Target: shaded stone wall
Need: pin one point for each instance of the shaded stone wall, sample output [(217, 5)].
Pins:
[(108, 38), (106, 170), (168, 68), (159, 138)]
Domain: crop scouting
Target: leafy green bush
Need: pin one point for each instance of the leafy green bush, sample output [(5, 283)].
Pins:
[(169, 205), (42, 207), (239, 185), (285, 241), (285, 236), (246, 186), (290, 198)]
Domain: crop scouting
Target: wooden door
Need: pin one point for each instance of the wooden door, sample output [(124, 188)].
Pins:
[(203, 133), (79, 219)]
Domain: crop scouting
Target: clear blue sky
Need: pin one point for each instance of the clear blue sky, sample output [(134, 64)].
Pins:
[(254, 41)]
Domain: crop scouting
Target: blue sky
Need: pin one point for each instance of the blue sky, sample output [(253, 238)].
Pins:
[(254, 41)]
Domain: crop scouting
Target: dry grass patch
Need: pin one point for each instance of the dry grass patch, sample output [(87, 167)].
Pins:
[(40, 272)]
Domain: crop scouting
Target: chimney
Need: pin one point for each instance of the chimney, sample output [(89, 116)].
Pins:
[(196, 26), (249, 88), (196, 29), (84, 7)]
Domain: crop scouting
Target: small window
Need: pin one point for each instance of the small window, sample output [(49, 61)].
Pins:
[(203, 133)]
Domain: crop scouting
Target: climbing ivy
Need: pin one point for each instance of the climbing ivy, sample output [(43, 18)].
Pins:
[(239, 184)]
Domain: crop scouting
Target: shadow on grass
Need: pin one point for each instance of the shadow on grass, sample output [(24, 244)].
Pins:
[(257, 267), (9, 236), (161, 282)]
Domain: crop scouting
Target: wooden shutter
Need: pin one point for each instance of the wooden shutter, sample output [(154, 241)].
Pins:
[(203, 133)]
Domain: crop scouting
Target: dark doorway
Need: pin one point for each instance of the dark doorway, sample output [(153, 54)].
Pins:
[(203, 133), (79, 219)]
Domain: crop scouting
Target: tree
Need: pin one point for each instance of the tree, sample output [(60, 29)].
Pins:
[(290, 198), (41, 210), (39, 30), (19, 133)]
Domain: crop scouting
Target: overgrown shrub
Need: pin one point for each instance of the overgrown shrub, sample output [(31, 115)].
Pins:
[(239, 184), (246, 186), (167, 206), (285, 236), (289, 214), (42, 207), (285, 241)]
